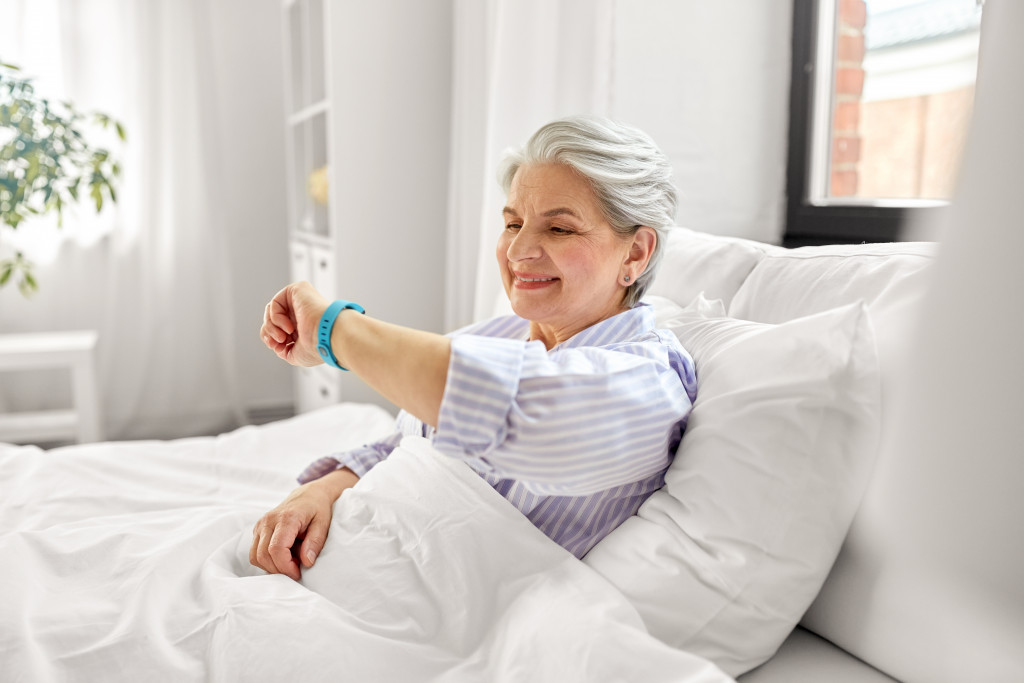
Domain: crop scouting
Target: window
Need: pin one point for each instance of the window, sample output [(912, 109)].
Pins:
[(879, 108)]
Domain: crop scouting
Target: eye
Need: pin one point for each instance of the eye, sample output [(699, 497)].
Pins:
[(512, 226), (561, 231)]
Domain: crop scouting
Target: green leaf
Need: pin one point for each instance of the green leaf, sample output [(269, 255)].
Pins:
[(28, 285), (5, 272), (120, 130)]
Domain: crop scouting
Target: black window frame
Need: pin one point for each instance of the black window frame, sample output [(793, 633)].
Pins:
[(806, 223)]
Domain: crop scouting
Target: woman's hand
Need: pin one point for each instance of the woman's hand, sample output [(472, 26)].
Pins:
[(304, 515), (290, 321)]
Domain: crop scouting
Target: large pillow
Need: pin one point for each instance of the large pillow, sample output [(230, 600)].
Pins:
[(724, 560), (696, 262)]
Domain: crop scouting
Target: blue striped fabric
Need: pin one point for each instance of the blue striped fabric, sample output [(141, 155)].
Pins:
[(576, 437)]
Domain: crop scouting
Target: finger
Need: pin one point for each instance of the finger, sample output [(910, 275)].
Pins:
[(285, 352), (281, 317), (254, 547), (272, 343), (316, 536), (270, 328), (263, 559), (280, 549), (260, 553)]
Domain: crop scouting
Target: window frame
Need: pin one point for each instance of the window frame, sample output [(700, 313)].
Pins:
[(836, 222)]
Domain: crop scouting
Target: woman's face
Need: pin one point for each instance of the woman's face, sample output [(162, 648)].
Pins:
[(561, 263)]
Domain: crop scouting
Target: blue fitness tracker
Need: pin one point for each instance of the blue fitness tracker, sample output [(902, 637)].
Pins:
[(323, 333)]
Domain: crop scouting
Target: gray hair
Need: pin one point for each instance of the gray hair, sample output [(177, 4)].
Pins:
[(630, 176)]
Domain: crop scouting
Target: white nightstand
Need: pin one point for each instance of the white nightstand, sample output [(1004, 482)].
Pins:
[(72, 350)]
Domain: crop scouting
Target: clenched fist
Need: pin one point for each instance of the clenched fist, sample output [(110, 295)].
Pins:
[(290, 321)]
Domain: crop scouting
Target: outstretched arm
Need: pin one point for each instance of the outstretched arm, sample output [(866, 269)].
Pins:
[(408, 367)]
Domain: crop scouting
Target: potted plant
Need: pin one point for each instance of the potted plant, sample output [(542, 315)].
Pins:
[(46, 162)]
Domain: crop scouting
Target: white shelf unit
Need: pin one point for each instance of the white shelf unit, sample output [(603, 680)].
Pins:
[(368, 89), (307, 144)]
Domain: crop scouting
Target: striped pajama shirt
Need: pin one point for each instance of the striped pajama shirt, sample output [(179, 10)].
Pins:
[(576, 438)]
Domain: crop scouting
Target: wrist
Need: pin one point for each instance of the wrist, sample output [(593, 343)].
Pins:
[(326, 329), (344, 337), (333, 484)]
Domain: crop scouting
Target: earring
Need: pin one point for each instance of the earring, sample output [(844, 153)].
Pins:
[(627, 279)]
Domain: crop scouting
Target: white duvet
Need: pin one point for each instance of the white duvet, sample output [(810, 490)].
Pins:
[(129, 561)]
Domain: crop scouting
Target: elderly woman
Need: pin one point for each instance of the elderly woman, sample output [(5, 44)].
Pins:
[(573, 407)]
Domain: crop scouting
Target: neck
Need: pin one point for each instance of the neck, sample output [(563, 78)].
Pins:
[(553, 335)]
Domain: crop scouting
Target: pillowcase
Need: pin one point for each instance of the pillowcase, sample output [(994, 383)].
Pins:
[(724, 560), (719, 264)]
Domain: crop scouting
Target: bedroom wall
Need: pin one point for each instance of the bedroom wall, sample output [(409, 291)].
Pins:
[(390, 89), (249, 71), (710, 82)]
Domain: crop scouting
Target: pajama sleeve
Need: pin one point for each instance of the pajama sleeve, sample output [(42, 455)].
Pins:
[(360, 460)]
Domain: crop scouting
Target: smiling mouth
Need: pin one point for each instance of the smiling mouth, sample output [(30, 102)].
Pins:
[(536, 279)]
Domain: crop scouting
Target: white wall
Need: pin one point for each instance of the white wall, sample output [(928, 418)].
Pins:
[(249, 70), (390, 85), (709, 81)]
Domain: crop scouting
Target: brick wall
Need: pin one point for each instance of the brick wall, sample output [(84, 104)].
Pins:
[(849, 85)]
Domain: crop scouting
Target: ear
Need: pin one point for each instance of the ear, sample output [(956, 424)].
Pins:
[(645, 239)]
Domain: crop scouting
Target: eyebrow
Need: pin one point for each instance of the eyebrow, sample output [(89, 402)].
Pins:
[(561, 211)]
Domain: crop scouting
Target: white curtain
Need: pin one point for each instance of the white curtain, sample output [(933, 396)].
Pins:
[(517, 65), (152, 276)]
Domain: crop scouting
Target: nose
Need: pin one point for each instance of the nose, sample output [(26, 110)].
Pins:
[(523, 246)]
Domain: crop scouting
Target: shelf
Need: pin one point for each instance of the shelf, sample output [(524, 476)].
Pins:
[(308, 113), (307, 150), (311, 238)]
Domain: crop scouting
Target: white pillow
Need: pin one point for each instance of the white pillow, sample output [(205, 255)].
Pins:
[(725, 559), (695, 261)]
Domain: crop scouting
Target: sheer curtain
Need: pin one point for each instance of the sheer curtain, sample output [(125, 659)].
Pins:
[(152, 275), (517, 65)]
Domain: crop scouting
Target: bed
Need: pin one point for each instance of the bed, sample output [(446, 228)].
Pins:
[(130, 560)]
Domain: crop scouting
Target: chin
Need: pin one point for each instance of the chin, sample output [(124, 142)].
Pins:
[(524, 309)]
